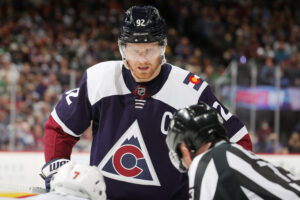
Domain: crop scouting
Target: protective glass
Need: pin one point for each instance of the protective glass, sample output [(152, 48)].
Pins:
[(176, 161), (173, 139), (142, 51)]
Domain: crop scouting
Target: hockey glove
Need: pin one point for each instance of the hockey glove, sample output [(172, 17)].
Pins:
[(49, 169), (79, 180)]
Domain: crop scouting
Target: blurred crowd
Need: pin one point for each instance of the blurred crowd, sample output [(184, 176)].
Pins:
[(46, 45)]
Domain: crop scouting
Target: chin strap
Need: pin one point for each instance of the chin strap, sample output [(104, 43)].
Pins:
[(163, 59), (126, 64)]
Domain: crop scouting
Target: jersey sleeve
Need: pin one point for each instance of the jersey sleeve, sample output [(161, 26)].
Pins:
[(69, 119), (57, 143), (74, 111), (236, 130)]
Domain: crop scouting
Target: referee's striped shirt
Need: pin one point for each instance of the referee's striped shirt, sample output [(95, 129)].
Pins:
[(228, 171)]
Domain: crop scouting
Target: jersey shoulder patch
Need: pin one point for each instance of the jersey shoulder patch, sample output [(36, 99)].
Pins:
[(181, 88), (193, 81), (129, 161)]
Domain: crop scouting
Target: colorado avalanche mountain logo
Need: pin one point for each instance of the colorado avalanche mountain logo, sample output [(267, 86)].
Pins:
[(129, 161)]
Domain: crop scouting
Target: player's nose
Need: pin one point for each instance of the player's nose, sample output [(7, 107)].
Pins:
[(141, 59)]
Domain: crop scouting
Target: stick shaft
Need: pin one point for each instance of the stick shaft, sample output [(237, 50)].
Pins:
[(7, 186)]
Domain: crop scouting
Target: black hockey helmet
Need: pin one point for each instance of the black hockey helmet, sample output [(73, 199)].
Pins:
[(143, 24), (194, 126)]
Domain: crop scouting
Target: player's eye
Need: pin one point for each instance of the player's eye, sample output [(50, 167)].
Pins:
[(137, 51), (149, 50)]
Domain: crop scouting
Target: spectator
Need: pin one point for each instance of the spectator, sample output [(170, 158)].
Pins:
[(47, 41), (294, 143), (263, 133), (281, 54), (267, 75), (4, 134)]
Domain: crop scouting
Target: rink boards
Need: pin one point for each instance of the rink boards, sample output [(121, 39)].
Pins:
[(23, 168)]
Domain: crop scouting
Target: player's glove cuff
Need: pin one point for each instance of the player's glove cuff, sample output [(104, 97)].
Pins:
[(51, 168)]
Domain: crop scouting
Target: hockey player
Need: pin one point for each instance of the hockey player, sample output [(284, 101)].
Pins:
[(218, 169), (129, 104)]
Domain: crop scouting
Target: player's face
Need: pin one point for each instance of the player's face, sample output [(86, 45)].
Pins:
[(186, 156), (143, 60)]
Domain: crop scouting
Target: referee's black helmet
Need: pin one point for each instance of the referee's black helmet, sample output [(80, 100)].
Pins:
[(194, 126)]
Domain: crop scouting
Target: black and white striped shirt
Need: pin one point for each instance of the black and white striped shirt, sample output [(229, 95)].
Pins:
[(228, 171)]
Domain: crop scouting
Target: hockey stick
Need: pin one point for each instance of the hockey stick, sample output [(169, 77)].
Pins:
[(11, 187)]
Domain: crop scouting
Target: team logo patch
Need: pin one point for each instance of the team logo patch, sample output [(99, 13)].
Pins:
[(193, 81), (129, 161), (141, 91)]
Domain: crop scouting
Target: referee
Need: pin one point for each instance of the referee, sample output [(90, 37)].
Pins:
[(219, 169)]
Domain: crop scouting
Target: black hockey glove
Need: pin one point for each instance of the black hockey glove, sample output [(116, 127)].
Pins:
[(50, 168)]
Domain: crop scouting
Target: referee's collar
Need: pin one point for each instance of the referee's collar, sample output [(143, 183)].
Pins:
[(198, 157), (219, 143)]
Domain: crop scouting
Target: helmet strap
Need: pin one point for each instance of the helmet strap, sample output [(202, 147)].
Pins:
[(162, 60)]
